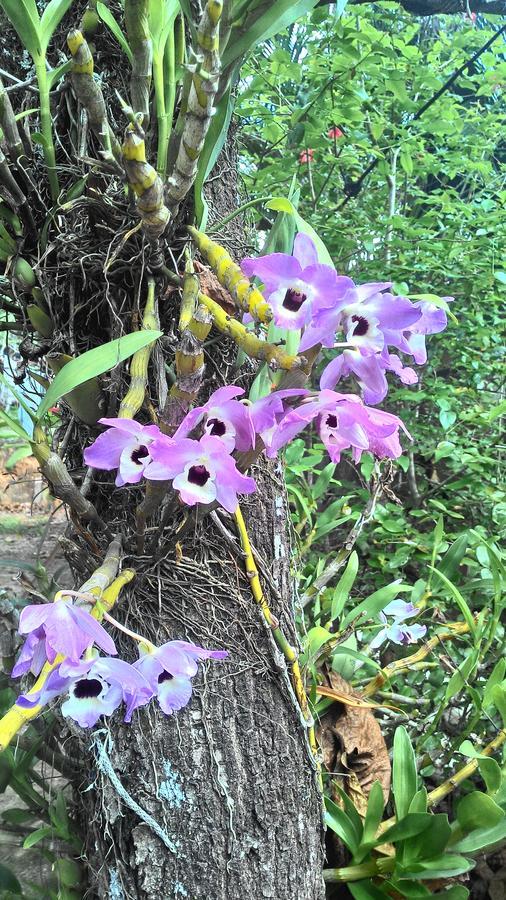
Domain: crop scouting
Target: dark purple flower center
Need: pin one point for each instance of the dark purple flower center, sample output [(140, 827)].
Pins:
[(138, 454), (87, 687), (198, 475), (361, 326), (216, 427), (293, 300), (332, 421), (165, 676)]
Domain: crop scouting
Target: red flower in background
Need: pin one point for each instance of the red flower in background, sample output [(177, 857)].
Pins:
[(335, 133), (306, 156)]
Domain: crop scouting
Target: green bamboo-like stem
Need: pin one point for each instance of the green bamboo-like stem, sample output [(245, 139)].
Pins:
[(145, 183), (61, 482), (9, 126), (46, 127), (358, 873), (169, 63), (134, 397), (89, 93), (199, 107), (139, 39), (161, 116)]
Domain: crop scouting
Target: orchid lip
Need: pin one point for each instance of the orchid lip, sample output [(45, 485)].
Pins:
[(331, 421), (87, 688), (361, 327), (198, 475), (139, 454), (216, 427), (293, 300)]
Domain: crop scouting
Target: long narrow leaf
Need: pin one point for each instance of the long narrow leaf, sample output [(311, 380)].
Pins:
[(24, 19), (93, 363), (51, 18), (277, 17), (462, 604), (115, 29), (213, 145), (404, 779)]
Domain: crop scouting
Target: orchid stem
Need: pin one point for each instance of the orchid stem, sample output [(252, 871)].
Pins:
[(289, 652), (133, 634)]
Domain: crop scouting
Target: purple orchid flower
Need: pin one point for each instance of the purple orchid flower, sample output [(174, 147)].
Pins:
[(202, 471), (107, 683), (96, 687), (32, 655), (432, 321), (369, 372), (343, 422), (169, 670), (223, 417), (124, 446), (295, 284), (368, 318), (398, 632), (64, 628), (267, 412)]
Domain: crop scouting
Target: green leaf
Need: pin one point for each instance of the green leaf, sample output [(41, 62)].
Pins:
[(321, 484), (477, 810), (313, 642), (39, 835), (449, 565), (51, 18), (337, 820), (115, 29), (8, 881), (94, 362), (463, 606), (374, 812), (365, 890), (344, 586), (459, 678), (12, 423), (213, 145), (404, 777), (24, 18), (447, 866), (375, 602), (482, 838), (277, 18), (419, 802), (491, 773), (411, 826), (18, 815), (499, 698)]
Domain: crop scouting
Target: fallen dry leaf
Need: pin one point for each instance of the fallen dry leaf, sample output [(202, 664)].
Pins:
[(351, 739)]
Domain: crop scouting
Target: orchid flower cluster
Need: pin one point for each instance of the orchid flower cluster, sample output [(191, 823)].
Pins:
[(203, 461), (64, 635), (306, 295)]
